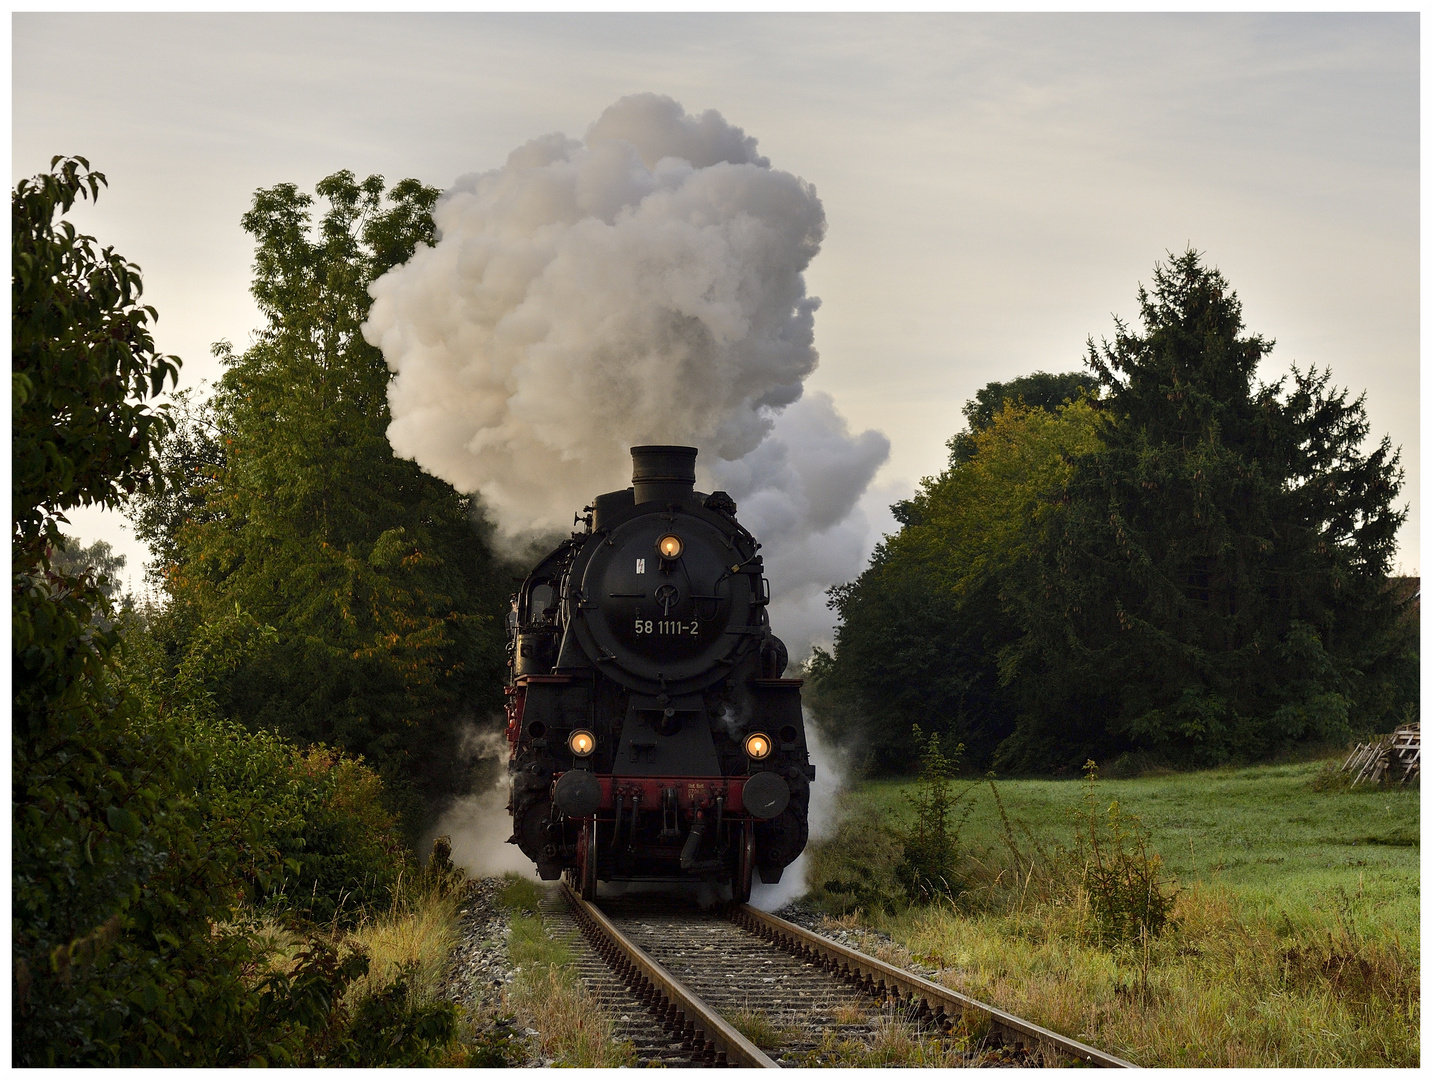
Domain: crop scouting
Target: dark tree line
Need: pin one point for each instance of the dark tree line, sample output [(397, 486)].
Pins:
[(1164, 555)]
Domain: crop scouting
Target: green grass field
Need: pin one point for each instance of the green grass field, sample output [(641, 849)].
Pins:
[(1263, 832), (1294, 937)]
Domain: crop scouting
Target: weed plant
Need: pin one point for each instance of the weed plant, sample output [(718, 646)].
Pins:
[(929, 868), (757, 1027), (1122, 876)]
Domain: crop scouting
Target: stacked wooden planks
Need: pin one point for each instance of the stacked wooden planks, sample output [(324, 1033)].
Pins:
[(1388, 759)]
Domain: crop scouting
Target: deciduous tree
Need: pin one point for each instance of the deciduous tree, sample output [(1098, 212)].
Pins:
[(286, 499), (926, 630)]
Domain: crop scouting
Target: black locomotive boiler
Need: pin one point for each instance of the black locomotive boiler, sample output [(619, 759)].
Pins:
[(652, 734)]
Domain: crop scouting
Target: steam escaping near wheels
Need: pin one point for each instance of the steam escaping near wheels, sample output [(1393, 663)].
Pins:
[(823, 818)]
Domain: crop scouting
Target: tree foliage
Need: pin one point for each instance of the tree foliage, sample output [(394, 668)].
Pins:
[(1040, 390), (1193, 564), (284, 497), (144, 830), (925, 629), (1221, 578), (72, 558), (83, 362)]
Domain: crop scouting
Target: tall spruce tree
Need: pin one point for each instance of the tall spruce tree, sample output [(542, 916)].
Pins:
[(1219, 589), (286, 501)]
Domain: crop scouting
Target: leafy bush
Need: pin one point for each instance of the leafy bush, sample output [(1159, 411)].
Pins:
[(332, 846), (391, 1028), (337, 847), (127, 876)]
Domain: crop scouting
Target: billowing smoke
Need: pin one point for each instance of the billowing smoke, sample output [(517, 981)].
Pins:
[(643, 285), (797, 493)]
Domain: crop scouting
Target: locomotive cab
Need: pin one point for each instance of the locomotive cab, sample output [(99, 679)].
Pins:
[(652, 734)]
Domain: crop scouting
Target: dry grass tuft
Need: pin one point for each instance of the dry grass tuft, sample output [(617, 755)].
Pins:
[(417, 937), (571, 1031), (850, 1014), (757, 1027)]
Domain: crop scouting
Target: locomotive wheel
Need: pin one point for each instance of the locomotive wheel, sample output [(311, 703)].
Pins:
[(587, 861), (741, 883)]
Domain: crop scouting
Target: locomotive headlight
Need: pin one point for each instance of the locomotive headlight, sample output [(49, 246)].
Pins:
[(581, 742), (669, 546), (758, 746)]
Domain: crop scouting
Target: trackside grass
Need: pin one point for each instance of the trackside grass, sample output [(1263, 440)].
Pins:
[(547, 994), (1292, 938)]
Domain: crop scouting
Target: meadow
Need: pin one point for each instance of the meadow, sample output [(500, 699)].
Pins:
[(1292, 936)]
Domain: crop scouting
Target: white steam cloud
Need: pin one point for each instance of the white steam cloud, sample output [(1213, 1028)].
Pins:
[(797, 493), (478, 824), (824, 816), (644, 285)]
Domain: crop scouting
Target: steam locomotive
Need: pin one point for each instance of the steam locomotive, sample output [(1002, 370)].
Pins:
[(652, 734)]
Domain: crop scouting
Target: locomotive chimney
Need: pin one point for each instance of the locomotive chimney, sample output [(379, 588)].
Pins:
[(663, 473)]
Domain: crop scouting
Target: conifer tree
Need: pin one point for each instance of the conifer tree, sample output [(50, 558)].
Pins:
[(1220, 586)]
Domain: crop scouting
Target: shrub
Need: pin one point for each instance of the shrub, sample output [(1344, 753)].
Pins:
[(345, 855), (331, 846), (393, 1028)]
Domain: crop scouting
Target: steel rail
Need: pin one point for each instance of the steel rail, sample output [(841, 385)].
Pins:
[(943, 1005), (712, 1039)]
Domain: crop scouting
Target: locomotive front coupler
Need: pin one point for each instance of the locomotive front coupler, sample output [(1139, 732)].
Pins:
[(669, 831), (693, 840)]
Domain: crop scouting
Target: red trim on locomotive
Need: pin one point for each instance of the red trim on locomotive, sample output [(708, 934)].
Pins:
[(693, 792), (516, 699)]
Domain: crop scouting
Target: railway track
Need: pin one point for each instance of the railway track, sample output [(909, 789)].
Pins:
[(682, 985)]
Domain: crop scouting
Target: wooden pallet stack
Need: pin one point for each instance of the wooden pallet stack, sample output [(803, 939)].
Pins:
[(1391, 759)]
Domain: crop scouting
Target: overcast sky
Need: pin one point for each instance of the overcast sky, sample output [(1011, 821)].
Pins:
[(995, 187)]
